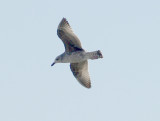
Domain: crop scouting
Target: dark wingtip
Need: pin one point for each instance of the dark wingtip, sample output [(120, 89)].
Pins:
[(88, 87)]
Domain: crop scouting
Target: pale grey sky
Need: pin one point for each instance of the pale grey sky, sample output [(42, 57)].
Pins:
[(125, 83)]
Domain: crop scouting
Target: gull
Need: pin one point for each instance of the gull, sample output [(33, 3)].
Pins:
[(75, 54)]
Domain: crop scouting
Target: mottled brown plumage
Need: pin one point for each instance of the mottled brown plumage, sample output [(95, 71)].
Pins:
[(74, 54), (71, 43)]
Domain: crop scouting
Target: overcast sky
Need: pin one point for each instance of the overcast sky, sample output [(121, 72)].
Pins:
[(125, 83)]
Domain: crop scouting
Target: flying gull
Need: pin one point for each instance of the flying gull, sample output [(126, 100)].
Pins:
[(75, 54)]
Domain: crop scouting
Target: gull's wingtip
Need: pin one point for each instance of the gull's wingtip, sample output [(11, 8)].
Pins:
[(64, 18), (88, 87), (64, 23)]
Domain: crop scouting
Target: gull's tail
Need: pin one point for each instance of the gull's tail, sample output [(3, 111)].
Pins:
[(95, 54)]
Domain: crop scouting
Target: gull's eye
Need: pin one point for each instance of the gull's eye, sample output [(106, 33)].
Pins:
[(57, 59)]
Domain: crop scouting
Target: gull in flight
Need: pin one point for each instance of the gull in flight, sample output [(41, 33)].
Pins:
[(75, 54)]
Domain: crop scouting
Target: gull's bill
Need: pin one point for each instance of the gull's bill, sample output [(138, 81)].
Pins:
[(53, 63)]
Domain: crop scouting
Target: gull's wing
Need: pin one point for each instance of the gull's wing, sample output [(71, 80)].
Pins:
[(80, 71), (70, 40)]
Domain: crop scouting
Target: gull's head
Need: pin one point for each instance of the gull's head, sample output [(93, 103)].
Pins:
[(57, 60)]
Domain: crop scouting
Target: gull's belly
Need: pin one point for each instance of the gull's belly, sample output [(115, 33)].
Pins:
[(75, 57)]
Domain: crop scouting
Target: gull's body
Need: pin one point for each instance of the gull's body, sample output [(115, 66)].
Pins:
[(74, 54)]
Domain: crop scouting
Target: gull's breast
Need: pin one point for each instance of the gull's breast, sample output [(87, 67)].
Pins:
[(74, 57)]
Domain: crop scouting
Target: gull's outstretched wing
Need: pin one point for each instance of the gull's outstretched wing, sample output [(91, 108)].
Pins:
[(80, 71), (70, 40)]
